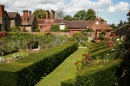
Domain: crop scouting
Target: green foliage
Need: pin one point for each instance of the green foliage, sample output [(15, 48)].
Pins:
[(81, 38), (29, 70), (15, 29), (113, 26), (68, 18), (81, 15), (90, 15), (54, 28), (90, 30), (37, 30), (102, 34), (39, 13), (103, 75)]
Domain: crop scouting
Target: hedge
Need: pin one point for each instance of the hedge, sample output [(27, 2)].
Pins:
[(28, 71), (103, 75), (100, 75)]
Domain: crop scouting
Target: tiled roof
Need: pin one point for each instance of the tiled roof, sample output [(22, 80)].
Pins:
[(78, 24), (49, 21), (30, 20), (104, 26), (12, 14)]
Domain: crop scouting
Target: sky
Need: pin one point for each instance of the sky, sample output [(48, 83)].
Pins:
[(111, 10)]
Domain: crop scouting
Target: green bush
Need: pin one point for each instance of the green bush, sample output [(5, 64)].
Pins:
[(54, 28), (29, 70), (103, 75)]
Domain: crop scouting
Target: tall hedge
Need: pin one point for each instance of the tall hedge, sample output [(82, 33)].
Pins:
[(101, 76), (28, 71)]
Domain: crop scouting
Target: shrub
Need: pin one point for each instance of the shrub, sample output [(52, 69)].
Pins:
[(29, 70), (103, 75)]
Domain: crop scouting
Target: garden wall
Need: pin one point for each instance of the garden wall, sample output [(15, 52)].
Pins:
[(28, 71)]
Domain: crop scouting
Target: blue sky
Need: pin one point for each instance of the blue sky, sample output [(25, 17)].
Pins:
[(111, 10)]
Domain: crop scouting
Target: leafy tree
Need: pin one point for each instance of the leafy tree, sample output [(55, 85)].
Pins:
[(60, 13), (81, 15), (39, 13), (68, 18), (121, 23), (113, 26), (90, 15), (102, 20)]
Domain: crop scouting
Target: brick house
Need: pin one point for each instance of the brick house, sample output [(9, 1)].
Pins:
[(29, 21), (15, 19), (45, 24), (4, 19), (96, 25)]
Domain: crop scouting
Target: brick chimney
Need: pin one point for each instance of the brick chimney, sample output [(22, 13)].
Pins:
[(25, 16), (1, 11), (47, 14), (29, 13), (52, 14)]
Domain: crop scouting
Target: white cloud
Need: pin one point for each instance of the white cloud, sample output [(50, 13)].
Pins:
[(121, 6)]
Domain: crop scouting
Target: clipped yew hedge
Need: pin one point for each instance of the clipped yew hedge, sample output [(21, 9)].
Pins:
[(28, 71), (103, 75), (100, 75)]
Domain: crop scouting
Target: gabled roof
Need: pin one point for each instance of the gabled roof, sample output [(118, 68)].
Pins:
[(5, 13), (12, 14), (30, 20), (49, 21), (78, 24), (95, 21), (104, 26)]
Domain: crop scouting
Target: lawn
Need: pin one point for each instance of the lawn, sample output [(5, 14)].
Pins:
[(64, 71)]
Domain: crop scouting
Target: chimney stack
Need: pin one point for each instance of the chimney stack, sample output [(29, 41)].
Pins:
[(25, 16), (52, 14), (30, 13), (1, 11), (47, 14)]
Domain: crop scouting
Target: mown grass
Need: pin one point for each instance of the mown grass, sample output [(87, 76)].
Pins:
[(67, 70)]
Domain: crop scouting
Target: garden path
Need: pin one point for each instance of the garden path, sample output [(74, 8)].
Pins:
[(66, 70)]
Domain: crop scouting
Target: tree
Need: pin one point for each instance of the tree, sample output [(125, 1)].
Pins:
[(60, 13), (90, 15), (39, 13), (121, 23), (68, 18), (81, 15), (102, 20), (113, 26)]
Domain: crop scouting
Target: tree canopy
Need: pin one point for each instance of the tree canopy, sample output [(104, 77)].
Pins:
[(68, 18), (91, 14), (39, 13), (81, 15)]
